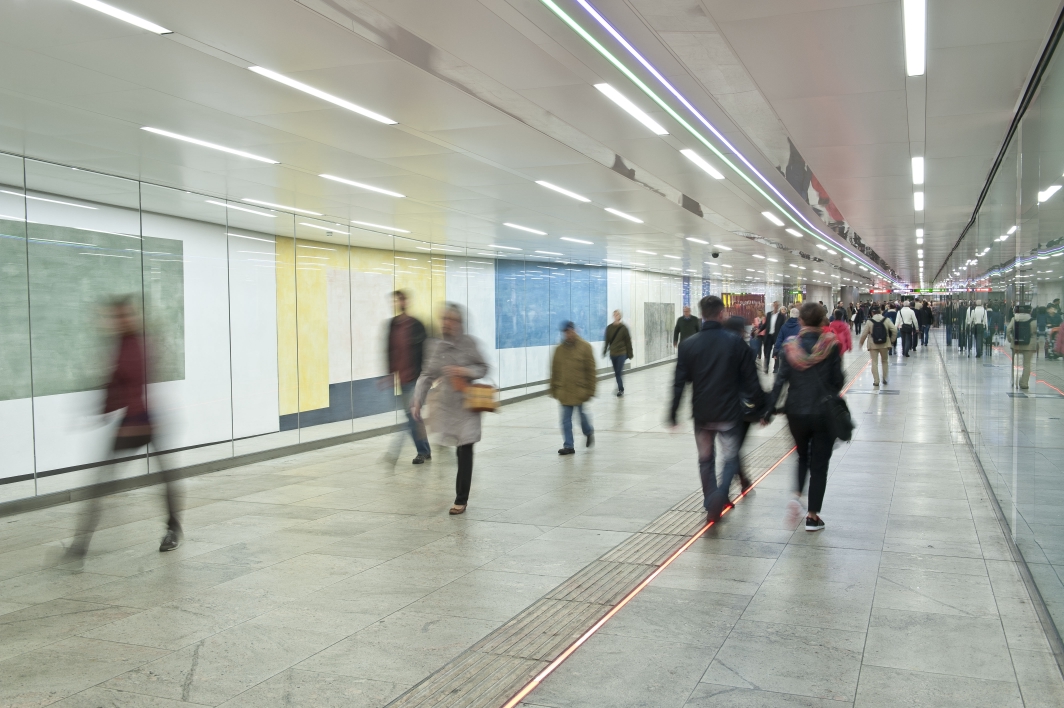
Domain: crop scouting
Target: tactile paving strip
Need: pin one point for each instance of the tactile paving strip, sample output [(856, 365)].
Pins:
[(495, 668)]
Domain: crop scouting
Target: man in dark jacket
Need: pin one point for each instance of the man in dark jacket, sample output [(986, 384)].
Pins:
[(406, 347), (686, 326), (725, 388), (770, 330)]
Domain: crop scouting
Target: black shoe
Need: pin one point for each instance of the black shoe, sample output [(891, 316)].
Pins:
[(590, 440), (620, 394), (567, 451), (170, 541), (421, 459), (814, 524)]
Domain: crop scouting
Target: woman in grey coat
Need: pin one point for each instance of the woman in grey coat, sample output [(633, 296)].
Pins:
[(455, 356)]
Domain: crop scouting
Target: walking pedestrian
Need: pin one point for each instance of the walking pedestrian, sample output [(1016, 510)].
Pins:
[(926, 318), (685, 327), (1023, 337), (618, 347), (879, 333), (812, 365), (723, 376), (456, 361), (127, 395), (755, 336), (770, 329), (737, 325), (572, 384), (909, 325), (891, 313), (789, 329), (406, 349), (977, 324), (841, 328)]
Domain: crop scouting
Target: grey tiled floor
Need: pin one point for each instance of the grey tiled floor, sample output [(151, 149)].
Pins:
[(329, 577), (332, 578), (909, 597)]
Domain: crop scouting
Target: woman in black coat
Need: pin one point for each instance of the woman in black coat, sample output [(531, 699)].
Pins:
[(812, 365)]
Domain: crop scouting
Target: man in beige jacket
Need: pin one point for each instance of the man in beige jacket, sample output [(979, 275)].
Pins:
[(572, 384), (1022, 334), (881, 334)]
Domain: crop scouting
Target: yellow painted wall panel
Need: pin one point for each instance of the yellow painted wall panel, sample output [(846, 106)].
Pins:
[(287, 369)]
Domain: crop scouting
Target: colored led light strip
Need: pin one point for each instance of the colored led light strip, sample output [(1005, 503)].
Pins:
[(550, 668), (811, 229)]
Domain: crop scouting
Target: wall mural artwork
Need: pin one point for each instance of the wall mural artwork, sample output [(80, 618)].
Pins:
[(533, 299), (658, 321)]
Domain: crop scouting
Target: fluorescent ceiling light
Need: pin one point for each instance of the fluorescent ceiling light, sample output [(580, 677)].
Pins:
[(525, 228), (1011, 231), (674, 268), (280, 206), (772, 217), (381, 226), (701, 162), (918, 201), (915, 13), (918, 170), (794, 232), (549, 253), (299, 86), (212, 146), (576, 240), (692, 239), (919, 233), (647, 253), (341, 229), (611, 260), (369, 187), (832, 252), (1048, 192), (919, 253), (124, 16), (772, 260), (562, 190), (723, 248), (253, 238), (633, 110), (507, 248), (20, 195), (725, 265), (675, 258), (240, 208), (757, 256), (822, 247), (623, 215)]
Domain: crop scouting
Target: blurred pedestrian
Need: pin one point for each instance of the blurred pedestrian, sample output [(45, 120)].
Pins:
[(790, 329), (456, 361), (723, 376), (880, 333), (618, 347), (406, 347), (127, 395), (1022, 334), (737, 325), (770, 332), (685, 327), (841, 328), (572, 384), (812, 365)]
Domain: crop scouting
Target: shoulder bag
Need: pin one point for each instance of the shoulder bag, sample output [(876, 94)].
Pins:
[(840, 422)]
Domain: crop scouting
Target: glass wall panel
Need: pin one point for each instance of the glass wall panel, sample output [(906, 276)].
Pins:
[(262, 316), (84, 233), (16, 405)]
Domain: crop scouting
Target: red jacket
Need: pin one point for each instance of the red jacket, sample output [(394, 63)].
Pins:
[(126, 389), (842, 333)]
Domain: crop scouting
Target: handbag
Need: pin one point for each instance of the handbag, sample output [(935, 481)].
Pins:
[(479, 398), (840, 422)]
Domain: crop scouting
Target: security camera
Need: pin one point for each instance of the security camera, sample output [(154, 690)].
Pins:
[(715, 254)]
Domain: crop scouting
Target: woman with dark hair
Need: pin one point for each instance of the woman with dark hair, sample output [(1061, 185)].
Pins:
[(812, 365), (841, 328)]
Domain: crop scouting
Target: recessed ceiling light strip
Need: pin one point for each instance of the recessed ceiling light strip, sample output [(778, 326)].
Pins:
[(812, 228), (124, 16), (318, 93), (212, 146)]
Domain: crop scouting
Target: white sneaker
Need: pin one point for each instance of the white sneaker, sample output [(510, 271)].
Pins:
[(795, 511)]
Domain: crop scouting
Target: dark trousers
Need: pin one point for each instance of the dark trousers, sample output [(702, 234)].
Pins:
[(768, 341), (925, 332), (90, 520), (907, 339), (978, 332), (949, 335), (465, 474), (618, 370), (814, 442)]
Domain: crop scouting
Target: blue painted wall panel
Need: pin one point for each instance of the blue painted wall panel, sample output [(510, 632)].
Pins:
[(533, 299)]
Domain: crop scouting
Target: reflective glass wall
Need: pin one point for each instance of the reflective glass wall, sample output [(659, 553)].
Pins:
[(264, 328), (1013, 257)]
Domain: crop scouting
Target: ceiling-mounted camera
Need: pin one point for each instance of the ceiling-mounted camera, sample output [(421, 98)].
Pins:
[(715, 254)]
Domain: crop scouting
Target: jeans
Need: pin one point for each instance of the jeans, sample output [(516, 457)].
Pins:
[(618, 369), (567, 424), (417, 430), (925, 331), (814, 442), (949, 335), (465, 474), (731, 440), (906, 339)]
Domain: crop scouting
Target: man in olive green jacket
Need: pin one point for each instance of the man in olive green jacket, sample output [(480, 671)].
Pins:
[(572, 383), (618, 345)]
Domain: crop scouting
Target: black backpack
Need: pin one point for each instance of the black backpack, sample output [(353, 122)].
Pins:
[(879, 332), (1021, 332)]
